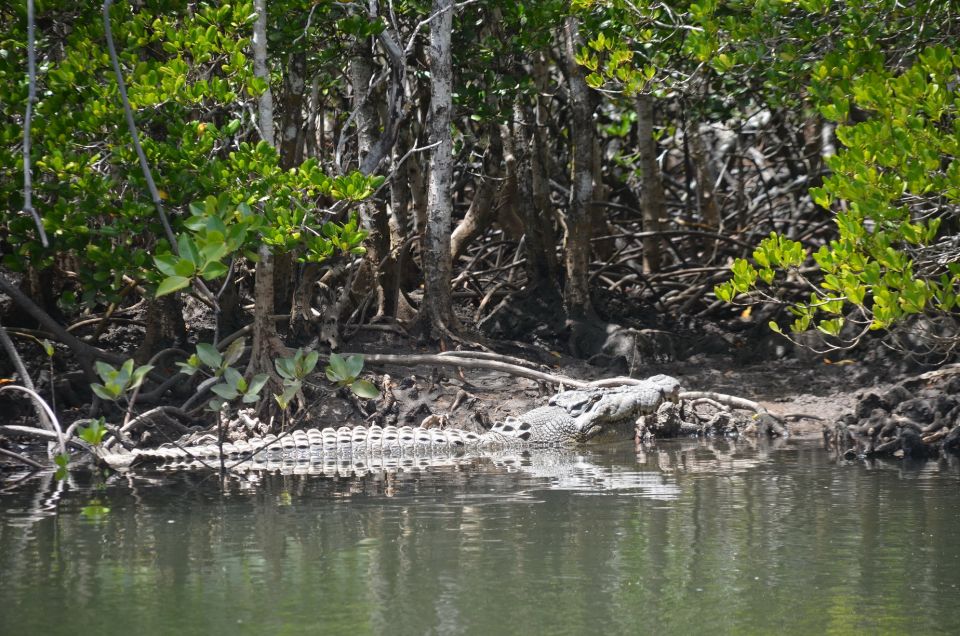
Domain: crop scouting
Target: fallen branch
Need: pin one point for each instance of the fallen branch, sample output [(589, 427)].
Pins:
[(20, 458), (727, 400), (453, 359), (766, 421), (480, 360), (15, 430)]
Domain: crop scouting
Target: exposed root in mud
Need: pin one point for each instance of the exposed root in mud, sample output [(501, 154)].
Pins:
[(709, 414), (918, 418)]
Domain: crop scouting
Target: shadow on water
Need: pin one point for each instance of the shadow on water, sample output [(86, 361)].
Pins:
[(680, 537)]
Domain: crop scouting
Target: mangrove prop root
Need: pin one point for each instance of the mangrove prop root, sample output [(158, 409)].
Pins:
[(20, 458)]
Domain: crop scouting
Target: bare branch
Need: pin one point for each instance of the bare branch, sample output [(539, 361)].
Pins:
[(198, 284), (61, 440), (132, 126), (27, 120)]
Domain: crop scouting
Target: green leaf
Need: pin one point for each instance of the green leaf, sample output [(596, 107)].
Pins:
[(290, 390), (830, 327), (183, 267), (104, 393), (594, 80), (125, 373), (234, 379), (234, 352), (188, 250), (166, 263), (105, 371), (286, 368), (365, 389), (94, 433), (137, 378), (724, 292), (354, 365), (225, 391), (172, 284), (213, 270), (310, 362), (62, 460), (191, 366), (256, 384), (338, 367), (209, 355)]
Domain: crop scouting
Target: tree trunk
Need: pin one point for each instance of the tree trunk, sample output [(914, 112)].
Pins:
[(604, 249), (265, 101), (576, 257), (482, 210), (540, 168), (165, 327), (264, 329), (437, 301), (524, 174), (293, 134), (706, 177), (373, 214), (651, 187), (403, 224)]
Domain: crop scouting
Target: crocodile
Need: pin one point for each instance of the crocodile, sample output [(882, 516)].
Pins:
[(568, 419)]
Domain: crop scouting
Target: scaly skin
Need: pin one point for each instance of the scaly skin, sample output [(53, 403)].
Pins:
[(569, 418)]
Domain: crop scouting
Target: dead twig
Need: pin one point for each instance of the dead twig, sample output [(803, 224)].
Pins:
[(22, 459)]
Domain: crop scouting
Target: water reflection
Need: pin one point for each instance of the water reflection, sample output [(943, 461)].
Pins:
[(671, 538)]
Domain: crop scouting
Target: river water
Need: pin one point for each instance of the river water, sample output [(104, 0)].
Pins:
[(683, 538)]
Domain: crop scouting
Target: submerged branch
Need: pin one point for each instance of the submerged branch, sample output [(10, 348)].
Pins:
[(21, 458)]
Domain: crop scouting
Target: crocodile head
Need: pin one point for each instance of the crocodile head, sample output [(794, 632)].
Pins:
[(581, 415), (611, 413)]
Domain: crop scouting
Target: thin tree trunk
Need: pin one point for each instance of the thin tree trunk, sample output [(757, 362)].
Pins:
[(651, 188), (576, 257), (598, 212), (540, 167), (436, 241), (524, 174), (165, 327), (265, 101), (709, 211), (293, 134), (482, 210), (264, 328), (416, 168), (401, 226), (418, 188), (373, 214)]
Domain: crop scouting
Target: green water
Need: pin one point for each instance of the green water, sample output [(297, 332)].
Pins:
[(681, 539)]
